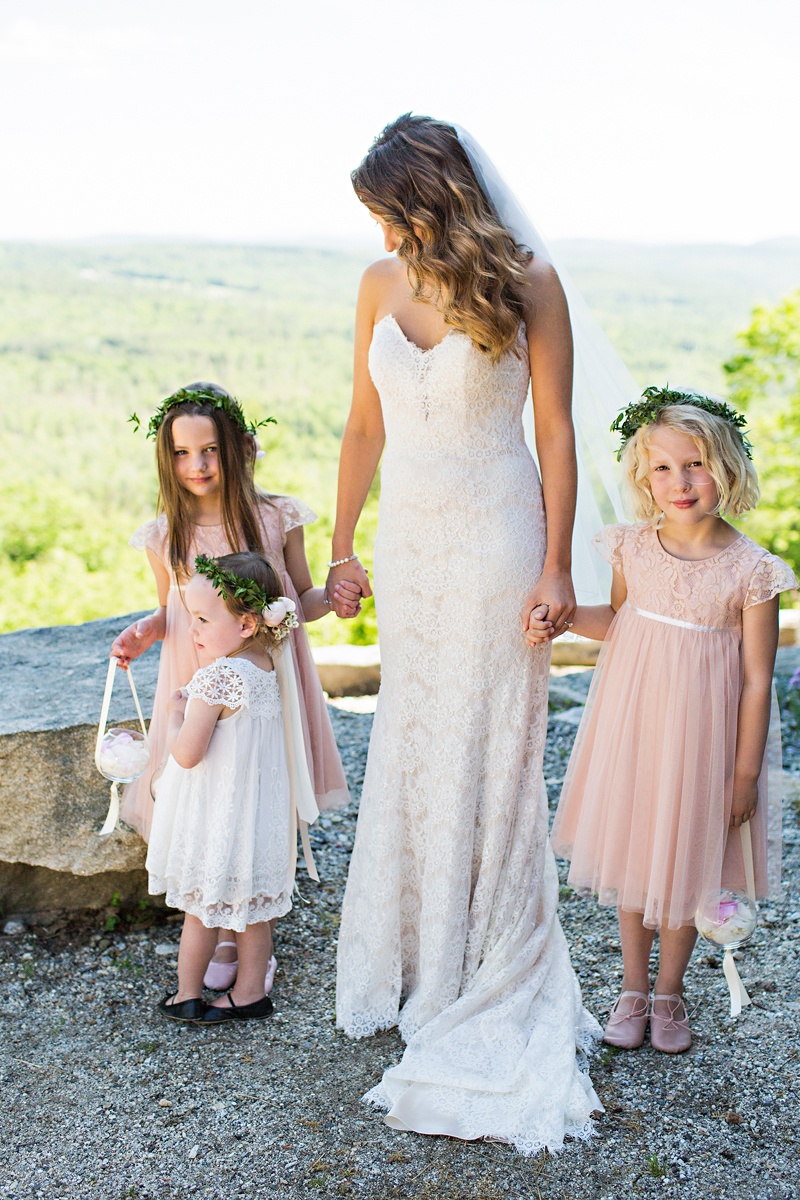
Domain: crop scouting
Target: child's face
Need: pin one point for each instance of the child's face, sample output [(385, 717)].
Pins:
[(215, 631), (681, 486), (196, 454)]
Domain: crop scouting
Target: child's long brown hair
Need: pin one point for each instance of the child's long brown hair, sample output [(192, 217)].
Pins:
[(239, 496)]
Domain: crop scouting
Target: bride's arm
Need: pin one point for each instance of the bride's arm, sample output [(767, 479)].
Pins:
[(362, 443), (550, 348)]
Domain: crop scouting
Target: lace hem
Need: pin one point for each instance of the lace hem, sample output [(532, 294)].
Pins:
[(223, 914)]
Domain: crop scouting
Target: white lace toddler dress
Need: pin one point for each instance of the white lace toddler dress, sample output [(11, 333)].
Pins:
[(222, 840)]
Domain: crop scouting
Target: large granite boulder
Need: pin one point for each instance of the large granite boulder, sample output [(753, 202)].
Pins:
[(52, 798)]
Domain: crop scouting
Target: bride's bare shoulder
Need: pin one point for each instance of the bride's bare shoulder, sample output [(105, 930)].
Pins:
[(384, 272), (543, 289), (379, 280)]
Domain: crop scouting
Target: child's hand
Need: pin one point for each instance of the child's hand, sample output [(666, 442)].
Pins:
[(133, 641), (745, 802), (346, 599), (177, 703), (539, 630)]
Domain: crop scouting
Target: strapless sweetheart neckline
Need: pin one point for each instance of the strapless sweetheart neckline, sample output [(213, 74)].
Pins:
[(413, 345)]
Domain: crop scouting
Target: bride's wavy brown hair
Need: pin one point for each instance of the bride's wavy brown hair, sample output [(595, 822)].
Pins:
[(460, 257)]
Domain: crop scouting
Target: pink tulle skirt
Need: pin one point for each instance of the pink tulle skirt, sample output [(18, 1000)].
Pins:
[(646, 802)]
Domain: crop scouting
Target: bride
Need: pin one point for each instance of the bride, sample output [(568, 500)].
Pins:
[(449, 927)]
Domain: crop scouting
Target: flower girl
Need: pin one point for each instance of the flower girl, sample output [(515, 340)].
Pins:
[(209, 503), (670, 757), (223, 840)]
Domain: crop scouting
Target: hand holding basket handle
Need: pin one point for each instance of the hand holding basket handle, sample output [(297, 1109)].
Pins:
[(121, 755)]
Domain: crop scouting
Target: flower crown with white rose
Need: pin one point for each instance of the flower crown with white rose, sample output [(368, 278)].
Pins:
[(278, 612)]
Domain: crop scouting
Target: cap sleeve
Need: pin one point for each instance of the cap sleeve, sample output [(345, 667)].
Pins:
[(770, 576), (293, 512), (609, 542), (151, 536), (219, 683)]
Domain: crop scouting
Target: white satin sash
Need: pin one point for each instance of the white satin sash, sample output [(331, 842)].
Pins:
[(304, 802), (739, 996), (681, 624)]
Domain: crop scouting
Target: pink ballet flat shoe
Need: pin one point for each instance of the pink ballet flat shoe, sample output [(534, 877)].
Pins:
[(669, 1031), (269, 978), (220, 976), (627, 1021)]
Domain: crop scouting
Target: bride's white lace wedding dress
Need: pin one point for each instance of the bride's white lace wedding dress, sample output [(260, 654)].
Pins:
[(449, 927)]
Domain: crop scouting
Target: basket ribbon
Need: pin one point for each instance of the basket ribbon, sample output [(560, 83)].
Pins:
[(110, 823), (739, 996)]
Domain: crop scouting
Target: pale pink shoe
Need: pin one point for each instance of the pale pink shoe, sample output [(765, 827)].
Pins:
[(669, 1031), (220, 976), (627, 1021), (270, 976)]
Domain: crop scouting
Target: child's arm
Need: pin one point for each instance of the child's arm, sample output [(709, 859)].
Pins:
[(759, 644), (188, 737), (590, 621), (140, 636), (311, 598)]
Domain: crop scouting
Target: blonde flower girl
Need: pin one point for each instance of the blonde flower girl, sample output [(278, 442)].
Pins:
[(671, 755)]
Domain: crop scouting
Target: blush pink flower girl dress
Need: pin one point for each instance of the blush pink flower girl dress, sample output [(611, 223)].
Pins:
[(644, 811)]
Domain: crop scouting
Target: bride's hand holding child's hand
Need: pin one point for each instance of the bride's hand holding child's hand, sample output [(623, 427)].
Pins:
[(346, 599), (345, 586), (549, 609)]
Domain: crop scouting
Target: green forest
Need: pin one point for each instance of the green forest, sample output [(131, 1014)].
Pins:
[(90, 332)]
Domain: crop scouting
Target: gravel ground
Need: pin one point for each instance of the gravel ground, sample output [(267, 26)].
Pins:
[(103, 1098)]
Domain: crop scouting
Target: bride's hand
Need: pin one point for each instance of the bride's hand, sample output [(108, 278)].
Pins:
[(554, 591), (341, 597)]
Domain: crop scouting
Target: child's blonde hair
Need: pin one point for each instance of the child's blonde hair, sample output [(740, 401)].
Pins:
[(721, 450)]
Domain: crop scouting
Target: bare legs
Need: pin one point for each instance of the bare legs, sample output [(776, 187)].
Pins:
[(197, 946), (255, 951), (675, 950), (669, 1026)]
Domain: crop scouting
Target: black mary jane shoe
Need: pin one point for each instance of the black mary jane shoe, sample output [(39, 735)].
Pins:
[(188, 1011), (259, 1010)]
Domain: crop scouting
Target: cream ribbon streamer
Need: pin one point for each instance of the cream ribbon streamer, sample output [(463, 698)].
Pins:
[(304, 802), (739, 996), (110, 823)]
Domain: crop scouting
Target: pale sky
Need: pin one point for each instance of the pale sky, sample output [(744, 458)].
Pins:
[(618, 119)]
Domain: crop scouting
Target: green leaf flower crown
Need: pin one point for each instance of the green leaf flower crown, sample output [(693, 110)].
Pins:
[(654, 400), (278, 612), (229, 405)]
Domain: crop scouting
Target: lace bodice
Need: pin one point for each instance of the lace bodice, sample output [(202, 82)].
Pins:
[(237, 683), (712, 592), (461, 404)]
